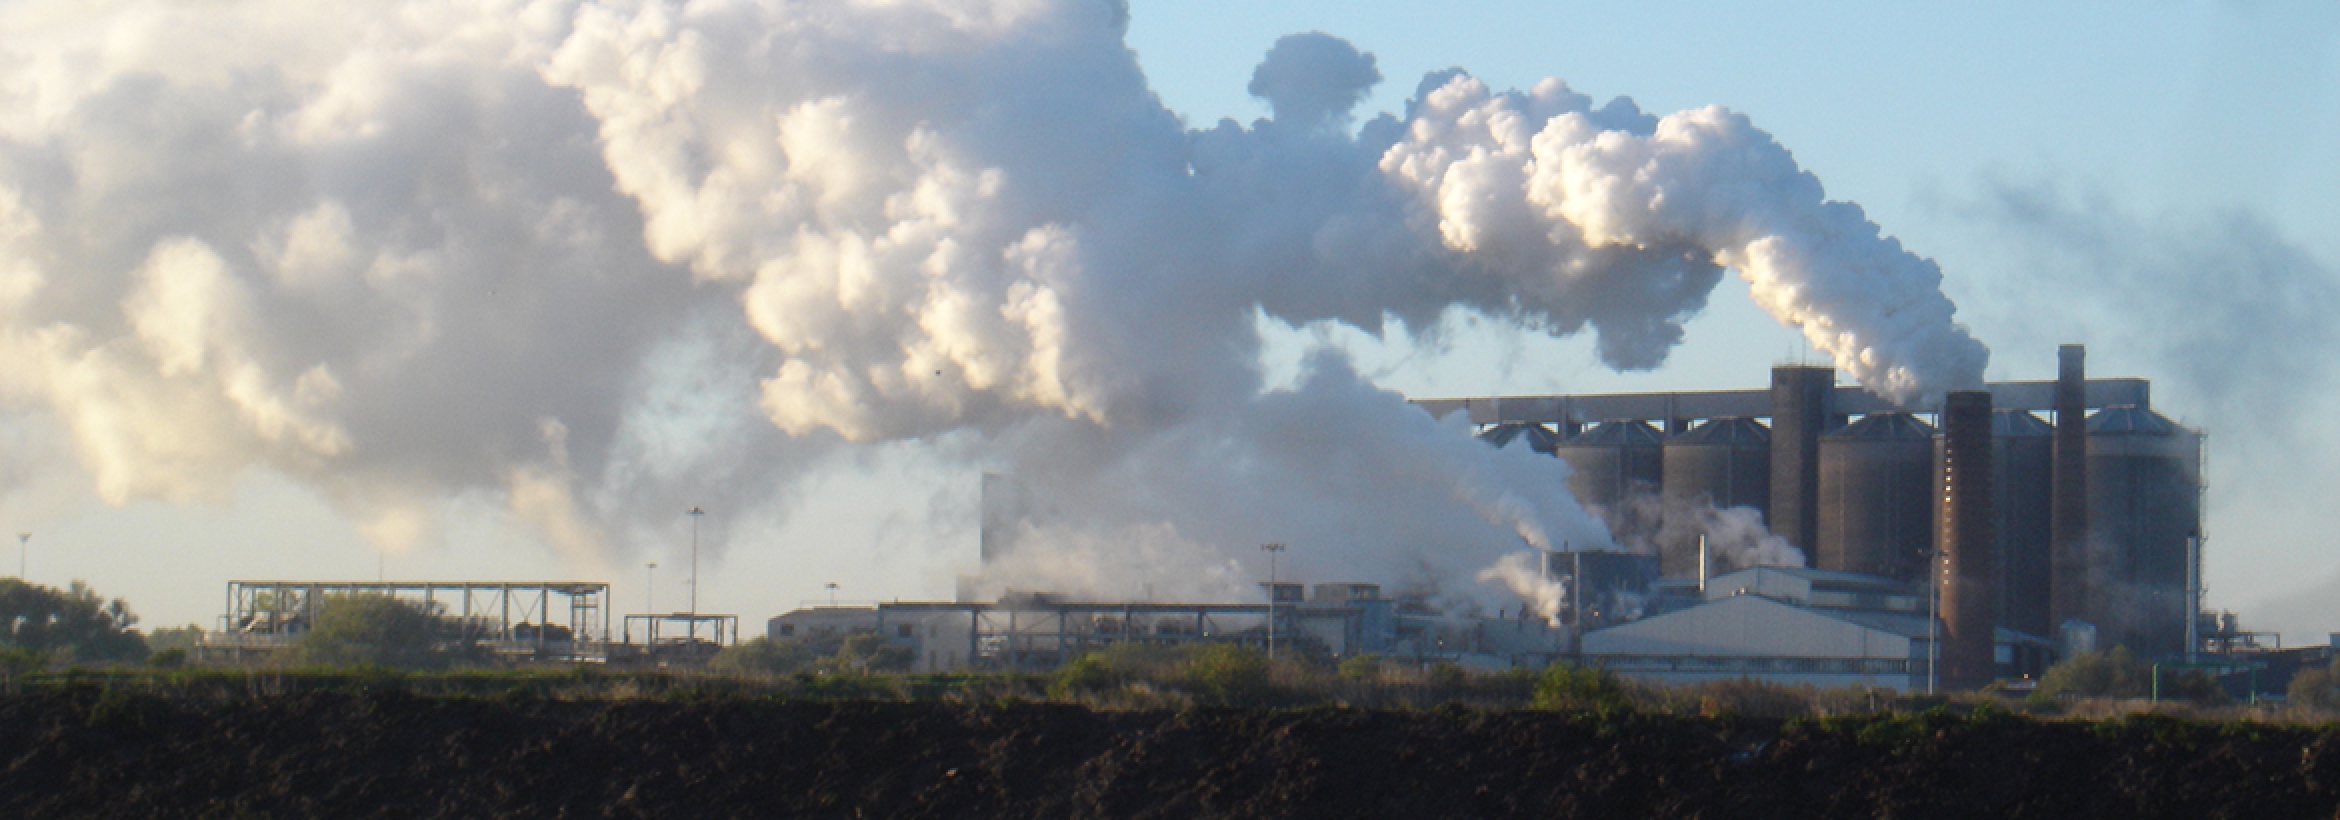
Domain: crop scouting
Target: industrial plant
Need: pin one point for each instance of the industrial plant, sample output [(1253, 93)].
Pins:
[(1911, 548), (2077, 531), (1808, 533)]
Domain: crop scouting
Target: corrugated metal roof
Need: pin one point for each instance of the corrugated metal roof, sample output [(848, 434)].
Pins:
[(1617, 434), (1726, 432), (2007, 423), (2129, 421), (1884, 426)]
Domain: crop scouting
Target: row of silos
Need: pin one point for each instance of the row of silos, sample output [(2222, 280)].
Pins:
[(1877, 514), (1876, 483), (1723, 462)]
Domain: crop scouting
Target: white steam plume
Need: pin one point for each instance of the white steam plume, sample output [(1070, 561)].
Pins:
[(595, 257)]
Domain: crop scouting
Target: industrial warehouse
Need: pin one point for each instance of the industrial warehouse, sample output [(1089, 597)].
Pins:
[(1950, 548)]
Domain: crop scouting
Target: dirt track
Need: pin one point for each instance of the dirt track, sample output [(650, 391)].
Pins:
[(399, 755)]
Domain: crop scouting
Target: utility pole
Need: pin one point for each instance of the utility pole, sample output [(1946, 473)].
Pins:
[(650, 587), (1272, 550), (22, 539)]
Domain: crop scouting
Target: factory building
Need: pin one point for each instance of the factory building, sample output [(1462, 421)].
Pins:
[(2081, 523), (1799, 626)]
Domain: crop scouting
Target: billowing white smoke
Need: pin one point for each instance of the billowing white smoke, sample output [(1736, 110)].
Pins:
[(594, 258), (1736, 537)]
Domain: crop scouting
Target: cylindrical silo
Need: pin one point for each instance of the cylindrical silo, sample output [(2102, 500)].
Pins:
[(1800, 412), (1612, 460), (1876, 496), (2144, 500), (1966, 573), (2022, 480), (1725, 462)]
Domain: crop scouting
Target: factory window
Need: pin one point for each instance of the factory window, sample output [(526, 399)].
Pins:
[(904, 630), (787, 630)]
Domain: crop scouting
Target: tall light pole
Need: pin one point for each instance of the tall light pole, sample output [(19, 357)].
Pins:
[(650, 587), (1272, 550), (696, 514), (22, 539)]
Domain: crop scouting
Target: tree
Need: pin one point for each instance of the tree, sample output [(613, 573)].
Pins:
[(175, 637), (374, 630), (74, 623)]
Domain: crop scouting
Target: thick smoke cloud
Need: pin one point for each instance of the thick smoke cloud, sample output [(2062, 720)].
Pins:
[(1312, 80), (593, 258)]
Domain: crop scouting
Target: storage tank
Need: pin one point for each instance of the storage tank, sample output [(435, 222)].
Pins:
[(1612, 459), (1800, 412), (2022, 480), (1539, 438), (2144, 500), (1876, 496), (1725, 462)]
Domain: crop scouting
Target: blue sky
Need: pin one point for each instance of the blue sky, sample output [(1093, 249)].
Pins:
[(2151, 178)]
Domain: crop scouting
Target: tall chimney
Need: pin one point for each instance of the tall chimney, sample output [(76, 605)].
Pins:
[(1966, 561), (1799, 414), (2068, 517)]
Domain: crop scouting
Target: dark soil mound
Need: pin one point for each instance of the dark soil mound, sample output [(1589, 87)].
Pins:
[(397, 755)]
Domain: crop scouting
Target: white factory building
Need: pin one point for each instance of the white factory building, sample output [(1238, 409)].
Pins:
[(1791, 625)]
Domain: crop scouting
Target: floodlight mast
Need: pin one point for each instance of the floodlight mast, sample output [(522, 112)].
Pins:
[(696, 514), (1273, 550)]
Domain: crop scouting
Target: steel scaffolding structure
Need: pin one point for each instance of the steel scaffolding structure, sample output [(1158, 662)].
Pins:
[(507, 618)]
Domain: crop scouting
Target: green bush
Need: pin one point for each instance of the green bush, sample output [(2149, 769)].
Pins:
[(764, 656), (1366, 667), (172, 658), (174, 637), (1089, 674), (2110, 674), (1590, 688), (2315, 689), (373, 630), (868, 652), (1228, 674)]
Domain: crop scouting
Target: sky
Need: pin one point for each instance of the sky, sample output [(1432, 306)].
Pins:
[(2147, 178)]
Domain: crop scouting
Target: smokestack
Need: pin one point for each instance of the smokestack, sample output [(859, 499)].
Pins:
[(1966, 562), (1799, 414), (2068, 518)]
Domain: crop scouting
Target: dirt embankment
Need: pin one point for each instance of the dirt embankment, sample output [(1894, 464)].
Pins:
[(399, 755)]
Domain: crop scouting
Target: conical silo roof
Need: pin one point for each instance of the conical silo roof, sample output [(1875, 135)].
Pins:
[(2128, 420), (1884, 426), (2007, 423), (1725, 432), (1539, 438), (1630, 433)]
